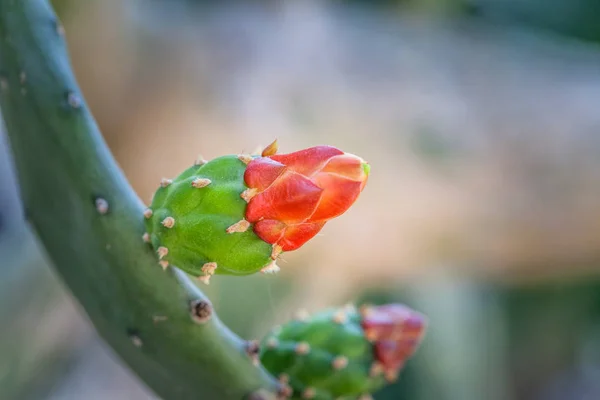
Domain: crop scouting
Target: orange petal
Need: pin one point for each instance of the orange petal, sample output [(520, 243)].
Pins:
[(393, 322), (262, 172), (339, 193), (347, 165), (269, 230), (307, 161), (292, 198), (288, 237), (296, 235)]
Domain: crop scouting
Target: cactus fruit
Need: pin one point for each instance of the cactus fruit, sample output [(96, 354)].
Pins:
[(236, 214), (343, 353)]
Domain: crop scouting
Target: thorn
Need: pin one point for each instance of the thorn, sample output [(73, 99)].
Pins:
[(309, 393), (146, 237), (272, 268), (340, 317), (200, 161), (162, 251), (340, 362), (248, 194), (159, 318), (277, 250), (101, 205), (391, 376), (376, 370), (283, 378), (73, 100), (302, 348), (164, 264), (301, 315), (238, 227), (253, 350), (135, 339), (148, 213), (272, 343), (168, 222), (209, 268), (204, 279), (270, 150), (245, 158), (200, 310), (164, 182), (201, 182), (22, 77)]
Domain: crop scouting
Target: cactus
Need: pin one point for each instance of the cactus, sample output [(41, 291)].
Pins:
[(236, 214), (91, 224), (343, 353)]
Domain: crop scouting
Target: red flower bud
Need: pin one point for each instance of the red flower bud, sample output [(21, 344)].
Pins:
[(396, 332), (297, 193)]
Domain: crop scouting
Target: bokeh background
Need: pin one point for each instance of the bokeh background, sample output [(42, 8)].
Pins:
[(480, 118)]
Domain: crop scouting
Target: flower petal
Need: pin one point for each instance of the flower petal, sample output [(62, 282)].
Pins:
[(269, 230), (262, 172), (339, 193), (308, 161), (347, 165), (292, 198), (296, 235), (393, 321), (288, 237)]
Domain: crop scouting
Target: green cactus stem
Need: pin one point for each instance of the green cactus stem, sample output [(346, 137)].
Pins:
[(90, 223)]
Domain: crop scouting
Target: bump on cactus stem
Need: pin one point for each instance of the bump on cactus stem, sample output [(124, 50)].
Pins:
[(200, 161), (245, 158), (253, 351), (201, 311), (162, 252), (328, 356), (101, 205)]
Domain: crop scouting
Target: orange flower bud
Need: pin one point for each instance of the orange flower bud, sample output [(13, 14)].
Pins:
[(297, 193), (396, 332)]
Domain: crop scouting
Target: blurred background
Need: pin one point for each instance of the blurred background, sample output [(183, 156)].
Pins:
[(480, 119)]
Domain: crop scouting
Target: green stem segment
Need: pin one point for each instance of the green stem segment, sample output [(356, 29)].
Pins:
[(90, 222)]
